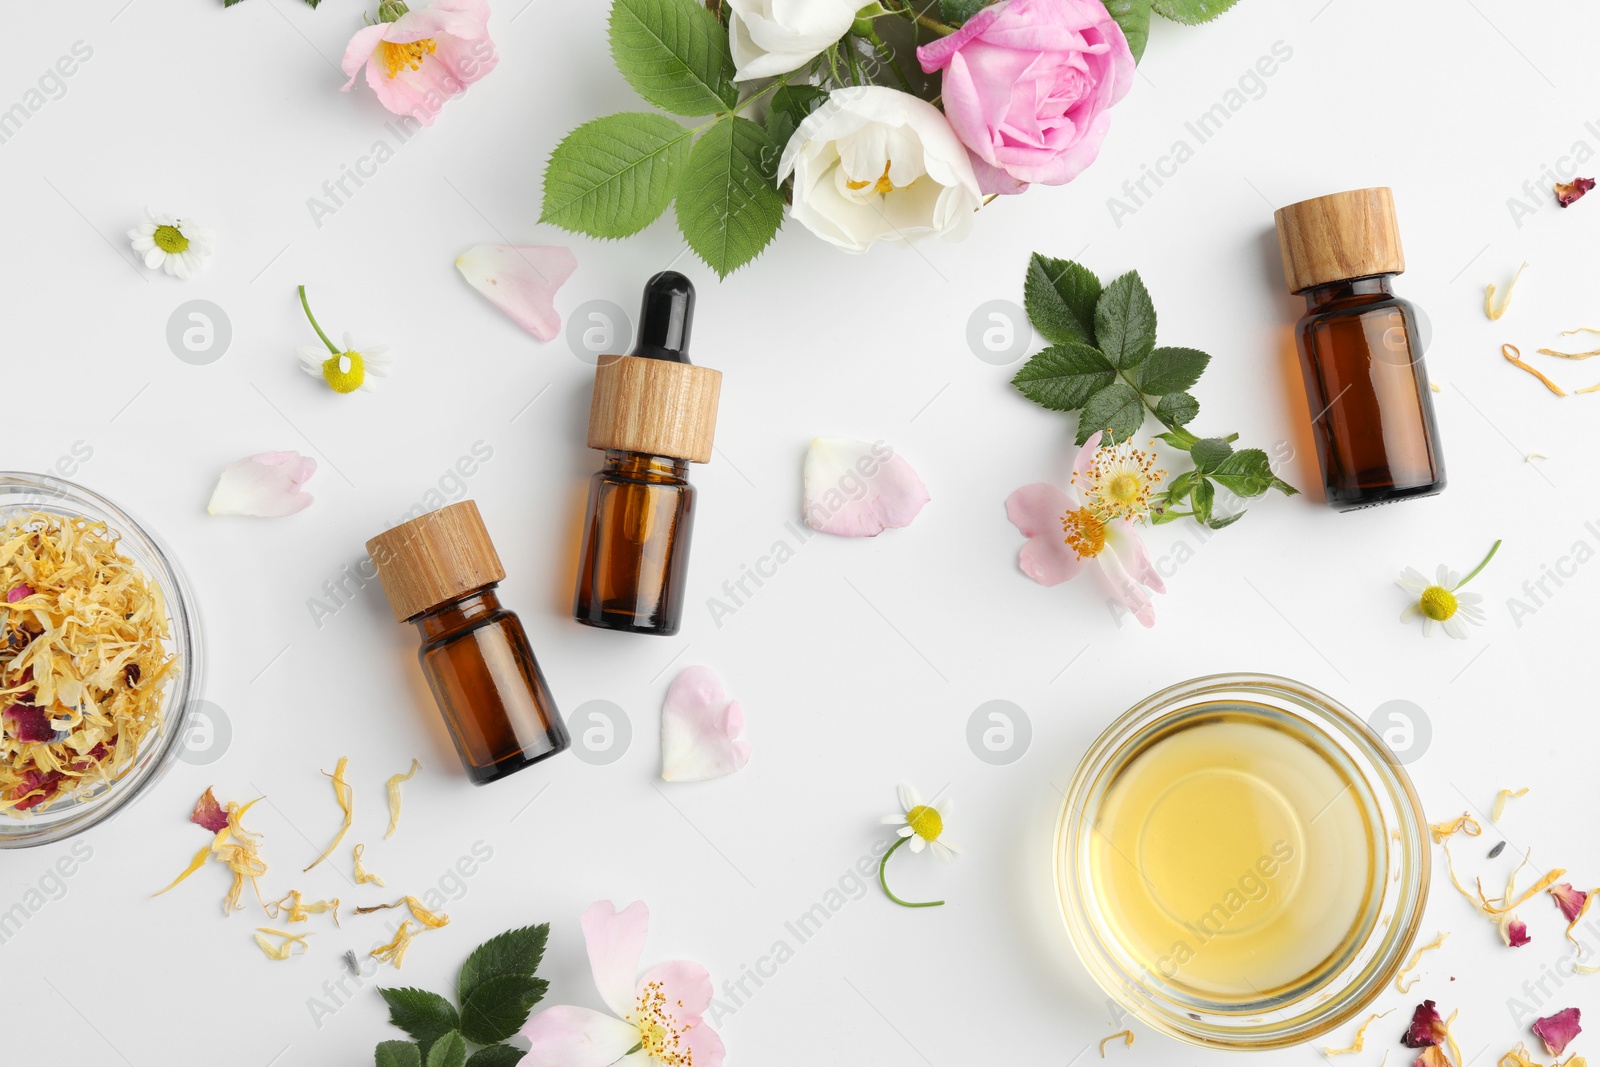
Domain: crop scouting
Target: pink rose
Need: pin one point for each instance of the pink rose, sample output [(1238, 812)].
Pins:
[(1026, 87), (423, 58)]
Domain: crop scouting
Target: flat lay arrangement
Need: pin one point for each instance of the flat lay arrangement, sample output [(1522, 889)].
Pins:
[(698, 532)]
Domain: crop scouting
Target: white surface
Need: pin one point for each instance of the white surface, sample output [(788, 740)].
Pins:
[(859, 663)]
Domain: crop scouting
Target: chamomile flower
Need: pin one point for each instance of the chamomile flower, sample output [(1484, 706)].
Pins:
[(344, 369), (178, 246), (1119, 481), (921, 825), (1441, 603)]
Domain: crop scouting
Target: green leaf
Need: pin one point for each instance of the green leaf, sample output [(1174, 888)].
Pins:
[(1181, 439), (395, 1053), (1116, 409), (1179, 486), (1209, 453), (1064, 376), (1177, 409), (1201, 499), (1164, 516), (790, 105), (1125, 322), (449, 1051), (1171, 370), (1191, 12), (1246, 473), (675, 54), (497, 1008), (513, 952), (728, 209), (496, 1056), (1060, 296), (1217, 524), (1284, 487), (955, 12), (1134, 18), (614, 176), (424, 1015)]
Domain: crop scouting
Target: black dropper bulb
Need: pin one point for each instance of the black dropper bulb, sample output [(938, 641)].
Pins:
[(665, 318)]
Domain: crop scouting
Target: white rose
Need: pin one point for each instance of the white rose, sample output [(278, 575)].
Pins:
[(772, 37), (875, 164)]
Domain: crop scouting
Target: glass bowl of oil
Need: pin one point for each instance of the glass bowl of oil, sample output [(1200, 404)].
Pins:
[(1241, 862)]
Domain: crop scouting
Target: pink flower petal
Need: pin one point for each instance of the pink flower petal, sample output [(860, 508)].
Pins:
[(1516, 933), (522, 281), (1085, 457), (1569, 900), (700, 727), (856, 489), (615, 940), (360, 50), (266, 485), (27, 723), (1036, 511), (685, 984), (565, 1036), (18, 592), (1558, 1030), (1124, 588), (208, 813), (705, 1045)]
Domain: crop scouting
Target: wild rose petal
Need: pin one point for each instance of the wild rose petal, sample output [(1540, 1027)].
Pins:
[(1516, 933), (1569, 900), (1426, 1028), (1569, 193), (522, 281), (40, 784), (18, 592), (615, 940), (1036, 511), (27, 723), (700, 727), (566, 1036), (1558, 1030), (856, 489), (208, 813), (1432, 1056), (266, 485)]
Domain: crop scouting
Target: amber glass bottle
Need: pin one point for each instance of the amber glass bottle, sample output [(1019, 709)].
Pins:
[(653, 413), (1371, 404), (440, 571)]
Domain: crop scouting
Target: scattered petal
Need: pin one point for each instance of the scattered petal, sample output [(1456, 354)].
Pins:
[(1426, 1028), (208, 813), (1494, 310), (427, 918), (1466, 824), (522, 281), (393, 786), (1514, 357), (1571, 901), (362, 875), (18, 592), (1558, 1030), (1400, 982), (1502, 798), (856, 489), (346, 798), (1569, 193), (266, 485), (1515, 932), (700, 728), (283, 950), (1126, 1037), (1360, 1038), (395, 951)]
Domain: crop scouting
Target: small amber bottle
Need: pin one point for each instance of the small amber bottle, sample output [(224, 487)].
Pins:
[(653, 414), (1371, 405), (440, 572)]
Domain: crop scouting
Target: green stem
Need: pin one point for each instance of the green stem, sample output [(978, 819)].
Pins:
[(889, 59), (889, 892), (747, 101), (904, 9), (331, 346), (1495, 548), (851, 58)]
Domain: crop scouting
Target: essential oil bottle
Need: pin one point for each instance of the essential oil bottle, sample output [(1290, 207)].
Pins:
[(1371, 404), (653, 414), (440, 572)]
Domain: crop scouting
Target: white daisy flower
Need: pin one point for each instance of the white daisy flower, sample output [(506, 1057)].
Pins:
[(1441, 603), (354, 367), (178, 246), (922, 825)]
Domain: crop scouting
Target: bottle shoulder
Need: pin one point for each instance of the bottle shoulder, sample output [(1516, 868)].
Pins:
[(1357, 307)]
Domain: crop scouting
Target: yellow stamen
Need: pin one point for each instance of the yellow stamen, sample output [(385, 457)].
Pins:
[(925, 822), (662, 1038), (408, 56), (1438, 603), (883, 185), (1086, 532)]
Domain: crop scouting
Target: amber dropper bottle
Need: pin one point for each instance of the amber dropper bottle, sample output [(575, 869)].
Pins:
[(653, 414), (1371, 403), (440, 572)]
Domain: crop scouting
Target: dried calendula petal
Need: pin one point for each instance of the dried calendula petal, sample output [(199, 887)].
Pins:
[(395, 951), (295, 910), (1504, 797), (1400, 982), (1514, 357), (394, 797), (1518, 1057), (1465, 824), (1125, 1036), (422, 914), (1491, 907), (347, 801), (363, 876), (194, 865), (1569, 355), (1569, 193), (1360, 1039), (1495, 310), (239, 849), (285, 948)]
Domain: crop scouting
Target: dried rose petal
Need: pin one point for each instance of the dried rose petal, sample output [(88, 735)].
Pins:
[(1516, 932), (1426, 1027), (17, 592), (37, 782), (90, 758), (1569, 900), (1568, 192), (27, 723), (208, 813), (1558, 1030)]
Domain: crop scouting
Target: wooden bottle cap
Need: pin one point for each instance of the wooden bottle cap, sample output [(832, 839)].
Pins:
[(1338, 237), (434, 559), (654, 406)]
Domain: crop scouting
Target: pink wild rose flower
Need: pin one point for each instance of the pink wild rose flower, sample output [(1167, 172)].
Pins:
[(424, 57)]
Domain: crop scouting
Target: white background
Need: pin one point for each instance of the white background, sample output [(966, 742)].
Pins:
[(860, 663)]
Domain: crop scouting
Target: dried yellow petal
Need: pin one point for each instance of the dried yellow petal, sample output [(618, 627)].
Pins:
[(194, 865), (347, 801), (1400, 982), (1360, 1038), (284, 949), (422, 914), (1570, 355), (294, 910), (1518, 1057), (363, 876), (1125, 1035), (394, 797), (1466, 824), (1502, 798), (1494, 310), (394, 952), (1514, 357)]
